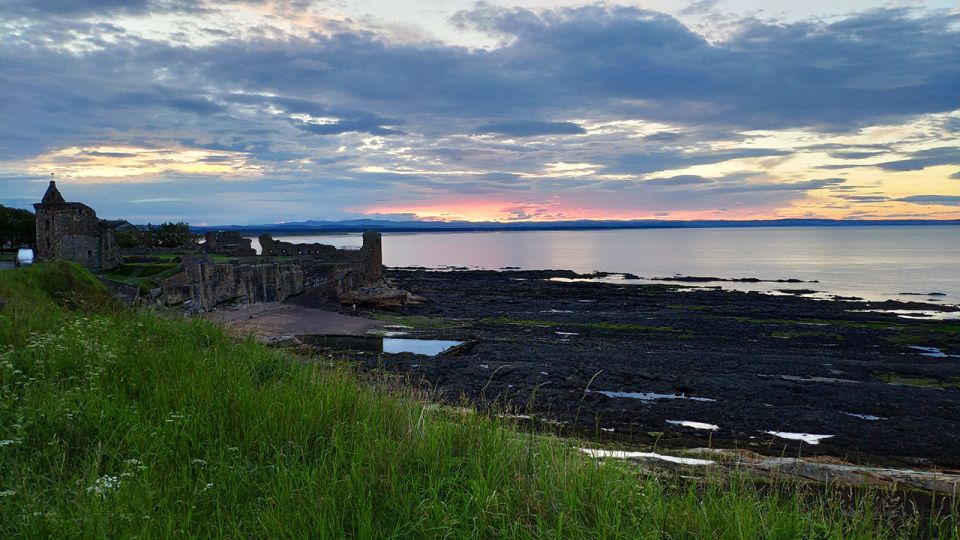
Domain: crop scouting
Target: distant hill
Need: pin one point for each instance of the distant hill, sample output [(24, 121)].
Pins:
[(360, 225)]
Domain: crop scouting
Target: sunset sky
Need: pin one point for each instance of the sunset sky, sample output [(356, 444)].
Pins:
[(245, 112)]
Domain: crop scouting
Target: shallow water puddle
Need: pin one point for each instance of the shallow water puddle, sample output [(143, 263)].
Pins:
[(932, 352), (928, 314), (621, 454), (694, 425), (796, 378), (381, 344), (808, 438), (427, 347), (869, 417), (648, 396)]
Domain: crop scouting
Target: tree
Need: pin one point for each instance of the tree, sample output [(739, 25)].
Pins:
[(17, 227), (130, 238), (172, 235)]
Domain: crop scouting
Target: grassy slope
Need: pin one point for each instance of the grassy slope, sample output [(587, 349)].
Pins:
[(116, 423)]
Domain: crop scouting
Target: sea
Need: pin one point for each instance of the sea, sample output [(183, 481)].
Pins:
[(910, 263)]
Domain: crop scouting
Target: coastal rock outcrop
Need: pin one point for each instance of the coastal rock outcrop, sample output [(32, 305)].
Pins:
[(380, 295)]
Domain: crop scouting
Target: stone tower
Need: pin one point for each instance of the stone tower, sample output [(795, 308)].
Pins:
[(372, 252), (71, 231)]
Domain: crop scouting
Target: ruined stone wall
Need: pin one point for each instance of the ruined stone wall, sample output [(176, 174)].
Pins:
[(319, 268), (229, 243), (205, 284), (278, 248), (330, 271)]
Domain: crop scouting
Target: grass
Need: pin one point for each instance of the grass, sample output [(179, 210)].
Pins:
[(119, 423), (802, 334), (819, 322), (924, 382), (413, 321), (143, 275), (621, 326)]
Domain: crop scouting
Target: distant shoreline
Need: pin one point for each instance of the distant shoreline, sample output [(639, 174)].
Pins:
[(408, 226)]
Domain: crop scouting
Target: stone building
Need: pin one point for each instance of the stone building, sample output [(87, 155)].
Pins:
[(71, 231)]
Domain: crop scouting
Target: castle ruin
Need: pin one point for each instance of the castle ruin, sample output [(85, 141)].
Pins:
[(72, 231)]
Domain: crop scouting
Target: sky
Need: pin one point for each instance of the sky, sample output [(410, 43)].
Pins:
[(263, 111)]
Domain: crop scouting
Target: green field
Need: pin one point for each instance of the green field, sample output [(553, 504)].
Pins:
[(117, 423)]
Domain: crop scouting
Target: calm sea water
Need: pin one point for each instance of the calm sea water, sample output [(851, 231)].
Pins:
[(869, 262)]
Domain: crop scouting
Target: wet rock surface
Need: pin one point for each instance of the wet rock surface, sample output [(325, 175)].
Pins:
[(571, 352)]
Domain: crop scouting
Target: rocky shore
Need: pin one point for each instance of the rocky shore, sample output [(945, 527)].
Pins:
[(687, 366)]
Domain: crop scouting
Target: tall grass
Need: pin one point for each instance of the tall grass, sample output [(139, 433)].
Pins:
[(118, 423)]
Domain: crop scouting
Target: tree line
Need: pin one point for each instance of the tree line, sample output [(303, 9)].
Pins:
[(17, 227), (169, 235)]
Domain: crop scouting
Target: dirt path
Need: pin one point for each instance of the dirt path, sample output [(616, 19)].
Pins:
[(271, 321)]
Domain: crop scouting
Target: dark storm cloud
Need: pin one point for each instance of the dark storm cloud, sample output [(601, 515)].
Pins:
[(945, 155), (531, 128)]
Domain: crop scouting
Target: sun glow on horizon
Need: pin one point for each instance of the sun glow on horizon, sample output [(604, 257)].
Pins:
[(120, 163)]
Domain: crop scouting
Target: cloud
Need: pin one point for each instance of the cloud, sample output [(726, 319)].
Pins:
[(948, 200), (359, 116), (87, 8), (531, 128), (648, 162), (864, 198), (680, 180), (698, 7), (372, 126), (856, 155), (945, 155)]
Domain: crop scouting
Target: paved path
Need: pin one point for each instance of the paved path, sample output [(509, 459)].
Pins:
[(270, 321), (6, 265)]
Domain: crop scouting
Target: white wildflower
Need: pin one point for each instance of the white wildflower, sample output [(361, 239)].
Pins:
[(8, 493), (104, 484)]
